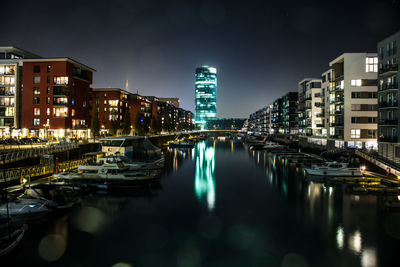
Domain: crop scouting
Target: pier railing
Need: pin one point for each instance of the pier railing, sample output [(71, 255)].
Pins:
[(379, 161), (21, 154), (33, 172)]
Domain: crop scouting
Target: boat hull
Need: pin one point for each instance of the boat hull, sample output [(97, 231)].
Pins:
[(334, 173)]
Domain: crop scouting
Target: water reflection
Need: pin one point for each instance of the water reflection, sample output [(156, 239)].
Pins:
[(205, 174)]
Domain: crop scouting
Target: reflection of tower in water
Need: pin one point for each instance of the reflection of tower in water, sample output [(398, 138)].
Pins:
[(204, 177)]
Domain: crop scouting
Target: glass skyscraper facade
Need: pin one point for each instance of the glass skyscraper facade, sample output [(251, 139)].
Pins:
[(206, 94)]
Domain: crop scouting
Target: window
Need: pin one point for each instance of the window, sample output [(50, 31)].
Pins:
[(47, 122), (355, 94), (355, 82), (372, 120), (355, 119), (36, 90), (371, 64), (48, 112), (10, 112), (73, 102), (61, 80), (36, 100), (36, 111), (48, 101), (36, 79), (72, 112), (60, 112), (48, 90), (48, 79), (48, 68), (60, 101), (355, 133), (7, 70), (7, 80), (355, 107), (371, 133), (36, 69), (36, 122)]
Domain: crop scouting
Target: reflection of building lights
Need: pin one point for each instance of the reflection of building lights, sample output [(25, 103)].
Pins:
[(204, 176), (340, 237), (355, 242)]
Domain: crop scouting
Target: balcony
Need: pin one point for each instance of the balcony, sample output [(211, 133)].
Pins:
[(389, 86), (389, 69), (319, 104), (336, 136), (388, 122), (60, 91), (337, 100), (320, 115), (339, 112), (389, 139), (392, 104), (320, 125), (336, 124)]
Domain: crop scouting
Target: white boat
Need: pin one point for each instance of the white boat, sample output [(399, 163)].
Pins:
[(273, 146), (251, 139), (108, 173), (334, 169), (9, 241), (133, 166)]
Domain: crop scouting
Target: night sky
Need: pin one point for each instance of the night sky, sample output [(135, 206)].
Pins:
[(260, 48)]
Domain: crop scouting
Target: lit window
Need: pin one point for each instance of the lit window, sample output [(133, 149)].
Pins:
[(60, 112), (7, 80), (355, 133), (36, 79), (72, 112), (10, 112), (36, 111), (48, 112), (371, 64), (61, 80), (36, 90), (36, 122), (355, 82)]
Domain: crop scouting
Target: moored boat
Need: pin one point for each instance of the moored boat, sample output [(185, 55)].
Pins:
[(334, 169)]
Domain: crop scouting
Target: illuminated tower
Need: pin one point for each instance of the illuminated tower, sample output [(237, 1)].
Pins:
[(206, 94)]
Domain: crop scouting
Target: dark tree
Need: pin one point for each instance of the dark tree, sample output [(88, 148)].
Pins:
[(126, 124), (95, 122)]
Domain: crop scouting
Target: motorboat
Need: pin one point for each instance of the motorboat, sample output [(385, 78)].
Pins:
[(24, 207), (11, 239), (181, 144), (251, 139), (334, 169), (114, 160), (274, 146), (108, 173)]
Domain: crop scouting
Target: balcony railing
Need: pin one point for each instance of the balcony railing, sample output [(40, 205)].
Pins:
[(390, 139), (389, 68), (319, 125), (336, 124), (392, 104), (337, 100), (319, 104), (388, 122), (320, 115), (336, 136), (338, 112), (388, 86)]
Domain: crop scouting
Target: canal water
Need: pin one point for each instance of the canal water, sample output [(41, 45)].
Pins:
[(219, 204)]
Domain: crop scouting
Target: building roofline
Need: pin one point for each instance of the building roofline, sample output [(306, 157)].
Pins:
[(21, 50), (350, 53), (110, 89), (390, 36), (59, 59)]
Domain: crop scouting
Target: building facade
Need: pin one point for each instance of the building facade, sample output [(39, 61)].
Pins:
[(205, 94), (388, 101), (353, 101), (11, 89), (55, 98), (112, 104)]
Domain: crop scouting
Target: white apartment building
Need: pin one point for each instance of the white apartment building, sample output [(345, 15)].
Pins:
[(353, 101), (311, 107)]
